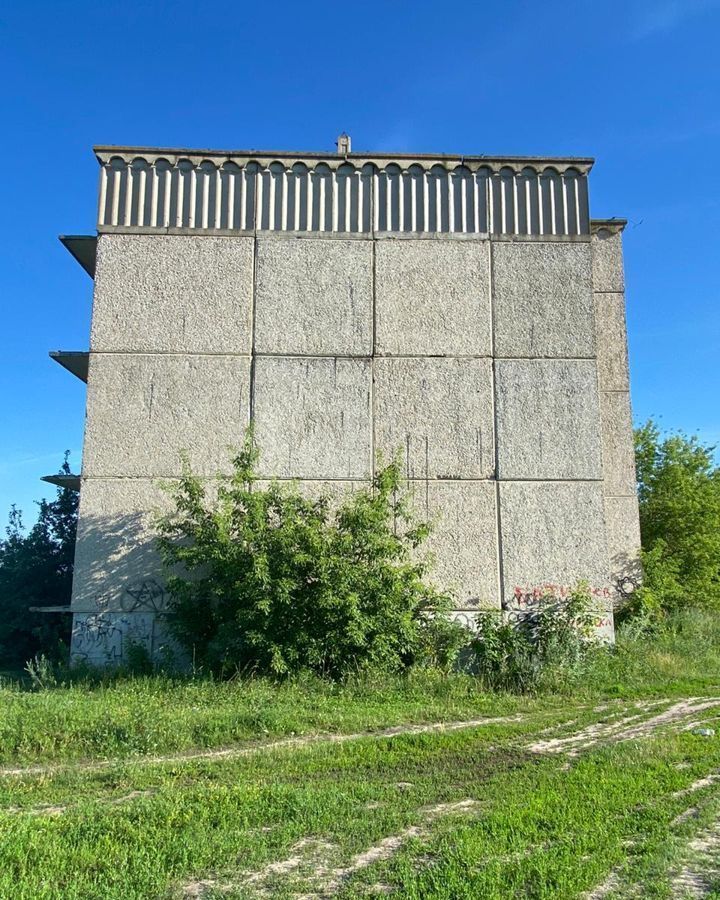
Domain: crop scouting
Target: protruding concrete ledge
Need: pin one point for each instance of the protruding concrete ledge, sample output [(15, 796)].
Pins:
[(75, 361), (614, 226), (50, 609), (84, 249), (71, 482)]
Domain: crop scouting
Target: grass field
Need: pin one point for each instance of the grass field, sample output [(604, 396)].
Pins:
[(422, 787)]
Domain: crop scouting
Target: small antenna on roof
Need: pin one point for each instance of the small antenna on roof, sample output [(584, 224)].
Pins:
[(343, 144)]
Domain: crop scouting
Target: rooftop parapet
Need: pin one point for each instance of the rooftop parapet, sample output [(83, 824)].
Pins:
[(236, 191)]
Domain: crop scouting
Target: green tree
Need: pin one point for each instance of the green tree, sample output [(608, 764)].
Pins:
[(679, 494), (263, 579), (36, 569)]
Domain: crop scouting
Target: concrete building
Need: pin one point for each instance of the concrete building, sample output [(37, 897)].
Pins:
[(465, 310)]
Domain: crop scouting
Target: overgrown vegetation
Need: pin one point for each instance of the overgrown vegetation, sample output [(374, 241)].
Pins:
[(544, 649), (264, 580), (120, 714), (679, 495), (119, 785), (529, 824), (36, 571)]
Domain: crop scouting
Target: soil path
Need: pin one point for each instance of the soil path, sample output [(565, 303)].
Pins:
[(248, 749)]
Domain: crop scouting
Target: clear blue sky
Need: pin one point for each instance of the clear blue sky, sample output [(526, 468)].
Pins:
[(634, 83)]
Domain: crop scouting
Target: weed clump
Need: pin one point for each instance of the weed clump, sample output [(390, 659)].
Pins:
[(544, 649)]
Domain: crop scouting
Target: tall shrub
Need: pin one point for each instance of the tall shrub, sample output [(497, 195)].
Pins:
[(264, 579)]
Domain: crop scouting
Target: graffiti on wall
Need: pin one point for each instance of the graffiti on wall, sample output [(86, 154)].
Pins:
[(625, 586), (148, 596), (466, 617), (102, 638), (530, 596), (528, 601)]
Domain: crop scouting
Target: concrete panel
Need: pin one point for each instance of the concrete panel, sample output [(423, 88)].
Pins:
[(161, 292), (623, 535), (464, 541), (611, 340), (117, 568), (542, 294), (312, 417), (607, 261), (144, 409), (618, 446), (553, 533), (548, 419), (314, 297), (433, 297), (438, 413)]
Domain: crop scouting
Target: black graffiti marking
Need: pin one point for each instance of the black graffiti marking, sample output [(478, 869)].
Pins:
[(149, 596), (626, 586), (96, 635)]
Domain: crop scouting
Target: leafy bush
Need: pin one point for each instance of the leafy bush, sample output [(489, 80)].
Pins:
[(679, 495), (36, 569), (265, 580), (544, 649)]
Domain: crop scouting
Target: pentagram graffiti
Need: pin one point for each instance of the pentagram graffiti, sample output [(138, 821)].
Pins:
[(149, 596)]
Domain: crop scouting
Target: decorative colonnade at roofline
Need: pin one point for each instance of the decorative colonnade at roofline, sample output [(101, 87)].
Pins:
[(156, 189)]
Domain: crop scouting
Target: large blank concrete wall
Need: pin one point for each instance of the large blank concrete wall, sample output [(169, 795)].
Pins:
[(476, 359)]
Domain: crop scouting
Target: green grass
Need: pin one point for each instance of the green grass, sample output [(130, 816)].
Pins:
[(542, 825), (681, 659), (156, 715), (133, 716), (539, 830)]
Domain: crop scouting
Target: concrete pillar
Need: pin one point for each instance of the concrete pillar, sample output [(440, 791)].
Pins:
[(619, 485)]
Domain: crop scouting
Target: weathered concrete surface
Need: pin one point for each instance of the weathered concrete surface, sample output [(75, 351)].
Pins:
[(312, 417), (542, 295), (553, 533), (314, 297), (623, 536), (611, 340), (116, 564), (438, 413), (548, 419), (183, 306), (607, 261), (143, 410), (464, 539), (617, 443), (159, 292), (433, 297)]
